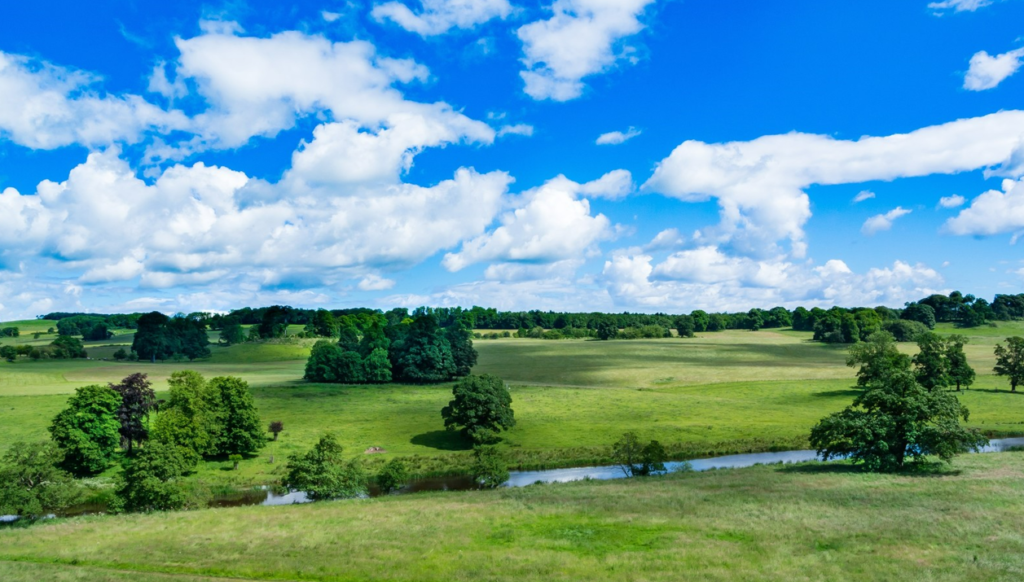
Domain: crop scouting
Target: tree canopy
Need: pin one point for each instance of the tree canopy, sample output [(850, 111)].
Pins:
[(481, 407), (88, 430), (31, 484), (322, 473)]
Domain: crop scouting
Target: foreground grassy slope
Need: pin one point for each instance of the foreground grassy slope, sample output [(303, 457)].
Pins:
[(808, 522), (717, 393)]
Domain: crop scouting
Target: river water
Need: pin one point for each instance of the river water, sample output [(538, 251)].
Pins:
[(524, 478), (270, 496)]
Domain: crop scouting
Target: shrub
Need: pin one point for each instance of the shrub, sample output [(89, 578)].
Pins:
[(490, 469), (323, 474), (392, 476)]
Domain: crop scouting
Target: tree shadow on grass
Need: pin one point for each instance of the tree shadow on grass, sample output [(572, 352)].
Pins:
[(991, 391), (923, 469), (845, 392), (443, 440)]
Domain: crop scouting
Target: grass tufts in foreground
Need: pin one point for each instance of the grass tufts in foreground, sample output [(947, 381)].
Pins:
[(807, 522)]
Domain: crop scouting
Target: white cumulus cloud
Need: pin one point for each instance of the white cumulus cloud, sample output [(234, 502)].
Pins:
[(958, 5), (44, 106), (582, 38), (550, 223), (881, 222), (439, 16), (987, 72), (759, 184), (993, 212)]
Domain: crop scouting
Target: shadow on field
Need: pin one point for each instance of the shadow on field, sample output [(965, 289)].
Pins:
[(915, 470), (845, 392), (990, 391), (442, 440)]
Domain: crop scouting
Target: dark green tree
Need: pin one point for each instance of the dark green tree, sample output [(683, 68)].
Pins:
[(151, 341), (392, 476), (67, 347), (377, 367), (893, 420), (701, 319), (607, 329), (31, 484), (426, 355), (1010, 361), (481, 408), (238, 422), (930, 363), (460, 338), (152, 481), (920, 313), (137, 401), (960, 372), (9, 353), (322, 363), (275, 322), (322, 473), (685, 326), (231, 331), (87, 431), (322, 324)]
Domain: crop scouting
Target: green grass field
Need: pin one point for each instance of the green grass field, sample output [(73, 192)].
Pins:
[(717, 393), (807, 522)]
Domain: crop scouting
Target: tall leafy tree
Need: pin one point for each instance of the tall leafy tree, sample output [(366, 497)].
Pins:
[(685, 326), (137, 401), (241, 430), (895, 420), (323, 474), (188, 418), (930, 363), (700, 320), (87, 431), (322, 363), (481, 408), (151, 341), (377, 367), (960, 372), (876, 357), (231, 331), (1010, 361), (31, 484)]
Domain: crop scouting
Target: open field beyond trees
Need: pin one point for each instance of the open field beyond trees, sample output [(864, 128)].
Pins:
[(718, 393)]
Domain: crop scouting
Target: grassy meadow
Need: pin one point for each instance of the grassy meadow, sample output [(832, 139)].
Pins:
[(719, 393), (805, 522)]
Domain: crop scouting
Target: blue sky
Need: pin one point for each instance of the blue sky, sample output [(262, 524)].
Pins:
[(652, 155)]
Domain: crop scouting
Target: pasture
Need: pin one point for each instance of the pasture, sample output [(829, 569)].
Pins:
[(718, 393), (803, 522)]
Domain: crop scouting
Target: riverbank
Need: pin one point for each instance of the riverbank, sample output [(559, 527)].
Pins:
[(760, 523)]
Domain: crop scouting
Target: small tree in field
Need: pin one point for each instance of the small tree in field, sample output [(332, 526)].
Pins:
[(637, 459), (960, 372), (1010, 361), (275, 428), (482, 407)]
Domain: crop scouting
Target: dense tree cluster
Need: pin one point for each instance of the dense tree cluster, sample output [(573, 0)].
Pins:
[(62, 348), (10, 332), (159, 337), (31, 483), (411, 350), (113, 321), (90, 327)]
